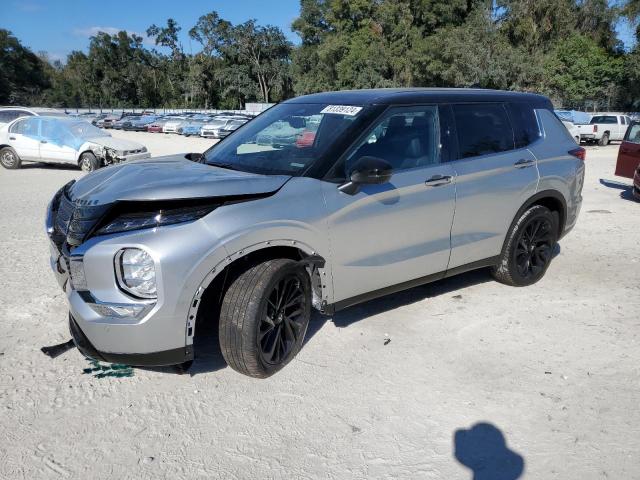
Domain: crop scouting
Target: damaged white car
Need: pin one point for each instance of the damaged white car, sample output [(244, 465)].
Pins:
[(63, 140)]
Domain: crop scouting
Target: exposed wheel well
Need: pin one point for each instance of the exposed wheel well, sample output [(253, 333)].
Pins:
[(554, 202), (208, 309)]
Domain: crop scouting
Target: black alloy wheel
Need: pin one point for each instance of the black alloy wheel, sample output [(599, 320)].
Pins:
[(284, 321), (534, 248)]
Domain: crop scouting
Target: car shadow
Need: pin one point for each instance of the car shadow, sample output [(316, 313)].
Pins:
[(627, 190), (483, 450), (49, 166)]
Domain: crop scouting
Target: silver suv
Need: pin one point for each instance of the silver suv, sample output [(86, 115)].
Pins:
[(381, 190)]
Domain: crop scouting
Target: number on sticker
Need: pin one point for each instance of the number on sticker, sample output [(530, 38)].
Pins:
[(341, 110)]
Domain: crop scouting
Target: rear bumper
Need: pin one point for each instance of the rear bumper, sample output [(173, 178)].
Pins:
[(153, 359)]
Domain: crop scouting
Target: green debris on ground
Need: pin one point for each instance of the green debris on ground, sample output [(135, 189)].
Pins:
[(102, 370)]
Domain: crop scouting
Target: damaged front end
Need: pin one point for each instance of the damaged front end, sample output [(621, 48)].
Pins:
[(112, 156)]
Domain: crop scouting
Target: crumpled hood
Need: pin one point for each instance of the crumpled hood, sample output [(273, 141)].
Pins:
[(168, 178), (116, 143)]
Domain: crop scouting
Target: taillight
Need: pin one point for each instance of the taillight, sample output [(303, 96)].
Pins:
[(595, 129), (579, 152)]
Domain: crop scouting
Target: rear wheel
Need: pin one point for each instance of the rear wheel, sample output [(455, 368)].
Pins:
[(9, 158), (604, 141), (528, 249), (88, 162), (264, 317)]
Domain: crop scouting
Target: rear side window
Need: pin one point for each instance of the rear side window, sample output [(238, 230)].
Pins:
[(604, 119), (525, 124), (482, 129)]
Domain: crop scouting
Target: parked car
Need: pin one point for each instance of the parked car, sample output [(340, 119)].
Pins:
[(604, 129), (212, 128), (98, 117), (158, 124), (274, 232), (139, 124), (573, 130), (63, 140), (126, 118), (108, 121), (172, 125), (193, 125), (628, 163), (9, 114), (231, 127), (281, 134)]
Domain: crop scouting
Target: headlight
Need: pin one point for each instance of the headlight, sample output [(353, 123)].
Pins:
[(157, 218), (136, 272)]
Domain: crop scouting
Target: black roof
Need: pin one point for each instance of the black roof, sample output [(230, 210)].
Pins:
[(401, 96)]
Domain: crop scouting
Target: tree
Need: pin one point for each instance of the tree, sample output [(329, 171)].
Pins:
[(578, 69), (22, 73)]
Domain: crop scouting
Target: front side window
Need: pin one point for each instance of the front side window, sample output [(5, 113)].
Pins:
[(482, 129), (633, 134), (405, 137), (286, 139)]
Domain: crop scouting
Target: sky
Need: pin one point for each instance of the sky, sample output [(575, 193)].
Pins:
[(58, 27)]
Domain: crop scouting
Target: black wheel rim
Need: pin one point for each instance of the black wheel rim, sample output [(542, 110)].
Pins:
[(534, 248), (283, 322)]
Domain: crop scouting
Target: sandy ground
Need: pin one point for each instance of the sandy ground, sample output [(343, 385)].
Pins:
[(552, 369)]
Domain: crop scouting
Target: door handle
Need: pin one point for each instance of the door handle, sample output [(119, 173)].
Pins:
[(524, 163), (12, 138), (438, 180), (43, 141)]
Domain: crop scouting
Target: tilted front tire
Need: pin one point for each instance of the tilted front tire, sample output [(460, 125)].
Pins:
[(264, 317), (9, 158), (528, 248), (88, 162)]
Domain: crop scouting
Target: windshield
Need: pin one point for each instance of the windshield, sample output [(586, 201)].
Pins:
[(284, 140), (86, 130)]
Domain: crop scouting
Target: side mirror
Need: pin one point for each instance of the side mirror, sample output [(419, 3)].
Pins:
[(195, 157), (367, 171)]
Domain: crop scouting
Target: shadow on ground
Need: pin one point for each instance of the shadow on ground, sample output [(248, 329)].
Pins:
[(483, 450), (625, 194)]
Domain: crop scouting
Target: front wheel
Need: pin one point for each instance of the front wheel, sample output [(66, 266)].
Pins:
[(9, 158), (264, 317), (88, 162), (528, 248)]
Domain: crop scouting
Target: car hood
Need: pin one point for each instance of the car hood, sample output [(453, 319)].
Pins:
[(116, 143), (168, 178)]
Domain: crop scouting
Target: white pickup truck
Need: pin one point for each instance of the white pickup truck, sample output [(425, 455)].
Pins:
[(604, 128)]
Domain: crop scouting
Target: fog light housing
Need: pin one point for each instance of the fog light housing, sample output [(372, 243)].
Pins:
[(136, 272), (76, 274)]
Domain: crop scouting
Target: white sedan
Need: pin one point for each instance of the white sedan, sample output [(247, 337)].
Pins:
[(63, 140)]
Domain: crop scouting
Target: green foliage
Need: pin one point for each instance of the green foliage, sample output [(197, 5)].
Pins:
[(566, 49), (22, 73)]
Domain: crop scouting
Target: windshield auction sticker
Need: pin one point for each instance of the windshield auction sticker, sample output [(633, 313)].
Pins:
[(341, 110)]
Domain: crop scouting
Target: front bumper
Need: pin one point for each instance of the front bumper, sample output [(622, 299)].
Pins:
[(150, 332), (154, 359)]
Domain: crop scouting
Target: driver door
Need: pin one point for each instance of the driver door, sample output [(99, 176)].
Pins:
[(58, 143), (397, 232)]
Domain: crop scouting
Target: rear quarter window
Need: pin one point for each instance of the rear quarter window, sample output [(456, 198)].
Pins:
[(526, 129), (482, 129)]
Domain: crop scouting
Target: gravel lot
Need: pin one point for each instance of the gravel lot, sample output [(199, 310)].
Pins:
[(554, 368)]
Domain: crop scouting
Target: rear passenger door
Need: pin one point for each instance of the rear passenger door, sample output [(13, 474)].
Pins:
[(495, 175), (24, 137)]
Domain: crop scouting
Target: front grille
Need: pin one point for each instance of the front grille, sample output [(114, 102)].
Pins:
[(74, 222)]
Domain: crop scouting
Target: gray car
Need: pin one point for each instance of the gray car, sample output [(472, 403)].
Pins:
[(391, 189)]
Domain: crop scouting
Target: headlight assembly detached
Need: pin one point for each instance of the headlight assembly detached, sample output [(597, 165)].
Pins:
[(136, 272), (157, 218)]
